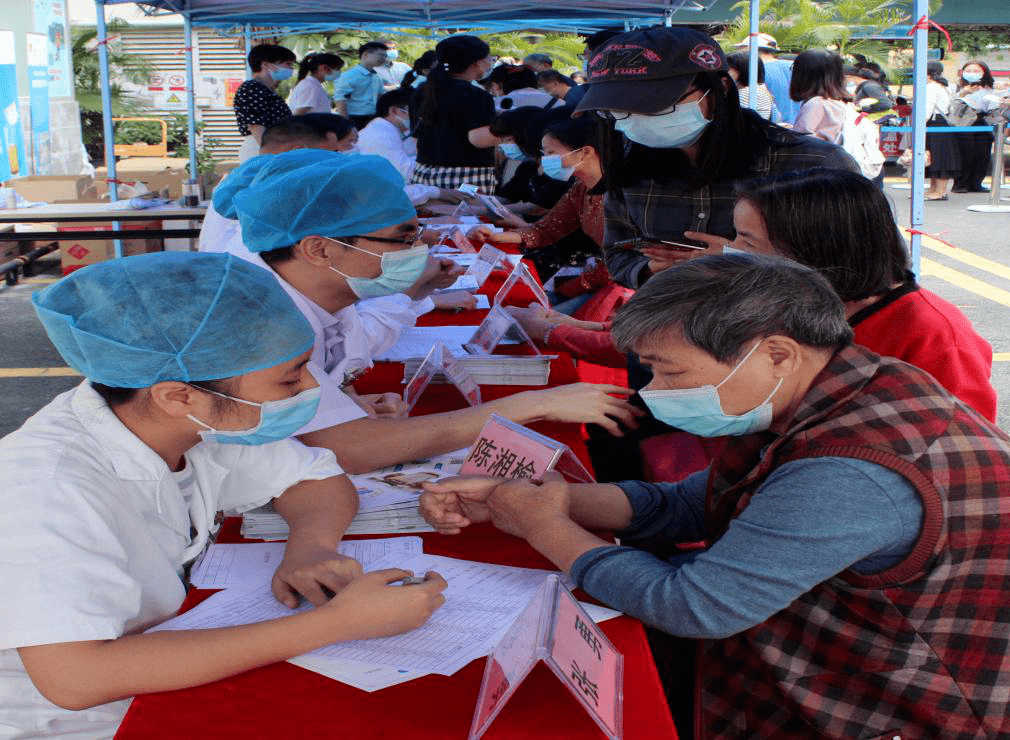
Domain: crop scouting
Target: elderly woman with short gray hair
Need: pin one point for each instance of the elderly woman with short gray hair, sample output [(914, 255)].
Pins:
[(856, 571)]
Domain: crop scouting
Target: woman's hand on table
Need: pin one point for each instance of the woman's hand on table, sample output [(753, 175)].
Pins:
[(483, 233), (310, 570), (577, 403), (453, 503), (383, 405), (372, 606), (539, 321), (455, 300)]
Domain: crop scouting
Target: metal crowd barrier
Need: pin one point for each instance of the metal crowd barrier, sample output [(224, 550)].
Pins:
[(999, 144)]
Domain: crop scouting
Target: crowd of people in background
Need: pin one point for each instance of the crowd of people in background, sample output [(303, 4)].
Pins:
[(797, 449)]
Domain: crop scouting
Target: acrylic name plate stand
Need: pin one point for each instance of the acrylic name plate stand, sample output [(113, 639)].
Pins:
[(505, 449), (440, 359), (554, 628)]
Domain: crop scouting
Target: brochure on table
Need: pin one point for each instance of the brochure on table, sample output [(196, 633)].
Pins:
[(555, 629)]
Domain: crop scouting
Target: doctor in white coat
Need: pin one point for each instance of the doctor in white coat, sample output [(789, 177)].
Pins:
[(196, 375), (340, 231)]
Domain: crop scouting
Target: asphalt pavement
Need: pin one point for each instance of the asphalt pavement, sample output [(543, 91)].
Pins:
[(965, 259)]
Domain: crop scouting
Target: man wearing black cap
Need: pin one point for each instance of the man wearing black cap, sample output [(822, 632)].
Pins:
[(689, 144)]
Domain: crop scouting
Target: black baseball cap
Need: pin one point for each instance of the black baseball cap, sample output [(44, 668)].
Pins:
[(649, 70)]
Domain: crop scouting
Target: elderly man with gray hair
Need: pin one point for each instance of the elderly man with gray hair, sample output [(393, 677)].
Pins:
[(855, 575)]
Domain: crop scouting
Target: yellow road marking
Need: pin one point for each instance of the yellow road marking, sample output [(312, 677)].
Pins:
[(1001, 356), (37, 372), (966, 257), (974, 285), (38, 280)]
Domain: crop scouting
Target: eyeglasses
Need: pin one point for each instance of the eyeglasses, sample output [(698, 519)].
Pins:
[(608, 115), (410, 241)]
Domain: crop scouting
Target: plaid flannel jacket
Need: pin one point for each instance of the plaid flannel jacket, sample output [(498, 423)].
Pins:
[(665, 210), (921, 650)]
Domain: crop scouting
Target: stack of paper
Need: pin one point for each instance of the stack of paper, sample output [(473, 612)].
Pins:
[(496, 369), (481, 602), (416, 341), (387, 500)]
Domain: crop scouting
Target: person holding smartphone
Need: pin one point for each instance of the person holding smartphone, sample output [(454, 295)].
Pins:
[(667, 92)]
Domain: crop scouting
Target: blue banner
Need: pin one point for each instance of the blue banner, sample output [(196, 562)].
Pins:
[(38, 103), (12, 143)]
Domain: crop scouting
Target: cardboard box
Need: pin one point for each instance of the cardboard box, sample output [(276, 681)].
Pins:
[(169, 180), (53, 188), (78, 253)]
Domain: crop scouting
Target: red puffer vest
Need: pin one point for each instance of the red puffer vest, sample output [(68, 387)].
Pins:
[(921, 650)]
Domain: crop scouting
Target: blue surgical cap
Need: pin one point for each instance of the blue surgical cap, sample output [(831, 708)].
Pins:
[(136, 321), (240, 177), (351, 195)]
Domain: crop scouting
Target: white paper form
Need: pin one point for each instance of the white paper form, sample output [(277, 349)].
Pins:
[(463, 282), (482, 601), (361, 676), (417, 341), (254, 563)]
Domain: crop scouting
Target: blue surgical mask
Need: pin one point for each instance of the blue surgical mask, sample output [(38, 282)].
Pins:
[(400, 270), (727, 249), (281, 73), (554, 169), (278, 420), (699, 410), (419, 80), (333, 76), (679, 128), (392, 54), (971, 77), (511, 150)]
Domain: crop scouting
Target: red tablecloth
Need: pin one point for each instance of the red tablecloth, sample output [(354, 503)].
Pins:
[(284, 701)]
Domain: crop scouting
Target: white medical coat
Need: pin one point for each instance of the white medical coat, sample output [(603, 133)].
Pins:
[(346, 341), (95, 534)]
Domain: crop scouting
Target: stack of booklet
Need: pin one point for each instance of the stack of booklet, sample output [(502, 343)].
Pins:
[(388, 500), (495, 369), (416, 341)]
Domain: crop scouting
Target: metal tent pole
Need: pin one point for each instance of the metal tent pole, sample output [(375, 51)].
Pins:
[(753, 61), (107, 132), (247, 35), (917, 213), (194, 173)]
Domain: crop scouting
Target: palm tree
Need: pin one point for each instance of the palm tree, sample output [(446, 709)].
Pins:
[(87, 82), (843, 26)]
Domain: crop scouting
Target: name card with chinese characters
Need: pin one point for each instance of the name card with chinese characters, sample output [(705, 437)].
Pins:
[(555, 629), (521, 273), (505, 449), (440, 359), (457, 238), (497, 325), (493, 205), (487, 258)]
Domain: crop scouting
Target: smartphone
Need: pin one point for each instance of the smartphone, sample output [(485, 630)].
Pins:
[(639, 242)]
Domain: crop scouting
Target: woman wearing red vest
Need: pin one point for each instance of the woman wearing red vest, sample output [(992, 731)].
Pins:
[(856, 572), (841, 225)]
